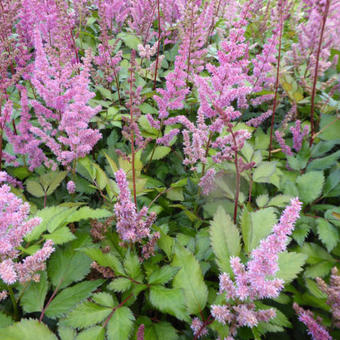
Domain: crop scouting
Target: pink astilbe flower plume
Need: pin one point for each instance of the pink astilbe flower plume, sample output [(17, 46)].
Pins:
[(314, 328), (254, 281), (14, 225), (132, 225)]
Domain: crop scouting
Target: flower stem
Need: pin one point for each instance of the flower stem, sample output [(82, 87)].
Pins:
[(312, 123), (14, 303), (276, 83)]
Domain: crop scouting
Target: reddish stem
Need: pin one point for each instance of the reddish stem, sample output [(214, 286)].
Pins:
[(205, 324), (115, 308), (158, 45), (276, 84), (312, 124), (50, 300), (132, 142)]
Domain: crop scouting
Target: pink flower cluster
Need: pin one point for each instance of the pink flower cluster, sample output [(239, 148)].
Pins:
[(132, 226), (316, 331), (252, 282), (14, 225)]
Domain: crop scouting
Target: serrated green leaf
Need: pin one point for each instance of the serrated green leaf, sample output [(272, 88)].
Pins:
[(290, 265), (66, 266), (264, 171), (54, 181), (5, 320), (87, 314), (66, 333), (104, 299), (324, 162), (163, 275), (315, 253), (314, 289), (130, 40), (307, 192), (320, 269), (35, 188), (330, 126), (94, 333), (120, 285), (160, 331), (85, 213), (279, 201), (328, 234), (24, 329), (71, 296), (34, 295), (133, 266), (262, 200), (60, 236), (169, 301), (300, 233), (105, 260), (190, 279), (160, 152), (224, 238), (120, 325), (262, 222)]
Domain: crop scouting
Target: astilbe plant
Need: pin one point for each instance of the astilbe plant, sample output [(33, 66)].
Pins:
[(15, 225), (254, 281)]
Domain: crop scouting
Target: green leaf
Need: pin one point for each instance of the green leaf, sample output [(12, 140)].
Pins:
[(71, 296), (94, 333), (262, 222), (35, 188), (120, 285), (34, 295), (105, 260), (66, 333), (120, 325), (262, 200), (264, 172), (190, 279), (328, 234), (87, 314), (330, 125), (224, 238), (55, 179), (175, 194), (169, 301), (310, 186), (60, 236), (315, 253), (290, 265), (130, 40), (325, 162), (66, 266), (160, 331), (320, 269), (5, 320), (133, 267), (163, 275), (85, 213), (24, 330)]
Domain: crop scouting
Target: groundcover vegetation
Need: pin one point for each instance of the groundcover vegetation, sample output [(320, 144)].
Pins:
[(169, 169)]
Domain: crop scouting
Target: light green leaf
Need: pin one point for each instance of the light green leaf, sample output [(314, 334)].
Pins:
[(169, 301), (133, 267), (224, 238), (190, 279), (24, 330), (105, 260), (71, 296), (163, 275), (94, 333), (120, 325), (66, 266), (5, 320), (60, 236), (330, 125), (262, 200), (264, 171), (87, 314), (66, 333), (35, 188), (310, 186), (290, 265), (262, 222), (130, 40), (160, 152), (120, 285), (328, 234), (160, 331), (54, 181), (85, 213), (34, 295)]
